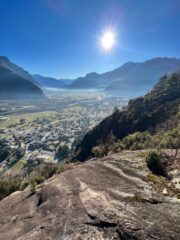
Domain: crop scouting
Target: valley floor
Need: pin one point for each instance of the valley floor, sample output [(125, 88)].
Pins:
[(39, 127)]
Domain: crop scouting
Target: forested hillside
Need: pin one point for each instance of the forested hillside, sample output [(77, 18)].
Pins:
[(158, 111)]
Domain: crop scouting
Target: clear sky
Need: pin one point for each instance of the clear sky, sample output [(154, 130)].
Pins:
[(61, 38)]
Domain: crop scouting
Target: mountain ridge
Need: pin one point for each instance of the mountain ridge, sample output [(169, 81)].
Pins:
[(17, 83), (49, 82), (129, 75), (7, 63)]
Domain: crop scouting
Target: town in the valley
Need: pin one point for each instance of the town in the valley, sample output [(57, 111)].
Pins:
[(49, 130)]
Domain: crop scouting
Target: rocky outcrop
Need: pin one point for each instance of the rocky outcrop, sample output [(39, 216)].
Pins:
[(111, 198)]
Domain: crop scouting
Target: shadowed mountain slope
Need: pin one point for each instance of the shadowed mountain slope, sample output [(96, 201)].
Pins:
[(14, 86), (16, 83), (6, 63)]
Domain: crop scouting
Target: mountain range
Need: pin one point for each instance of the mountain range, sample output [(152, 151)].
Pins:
[(49, 82), (130, 78)]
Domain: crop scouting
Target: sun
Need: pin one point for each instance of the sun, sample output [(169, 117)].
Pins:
[(108, 40)]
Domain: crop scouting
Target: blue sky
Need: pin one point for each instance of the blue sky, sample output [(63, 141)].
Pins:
[(60, 38)]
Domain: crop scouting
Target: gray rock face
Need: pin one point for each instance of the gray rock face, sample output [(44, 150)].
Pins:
[(110, 198)]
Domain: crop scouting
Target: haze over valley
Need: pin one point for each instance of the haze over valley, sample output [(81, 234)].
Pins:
[(131, 79)]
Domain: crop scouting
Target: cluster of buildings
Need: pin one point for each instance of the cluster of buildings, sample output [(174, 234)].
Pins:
[(42, 136)]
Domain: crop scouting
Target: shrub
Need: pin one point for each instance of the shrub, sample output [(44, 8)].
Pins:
[(33, 186), (154, 179), (37, 179), (157, 163), (9, 185), (98, 151), (144, 140), (171, 139), (50, 169), (137, 140)]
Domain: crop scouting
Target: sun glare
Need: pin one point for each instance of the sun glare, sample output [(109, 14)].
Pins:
[(108, 40)]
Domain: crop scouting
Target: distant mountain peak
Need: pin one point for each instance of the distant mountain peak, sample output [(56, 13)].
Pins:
[(92, 74), (156, 59), (130, 78)]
